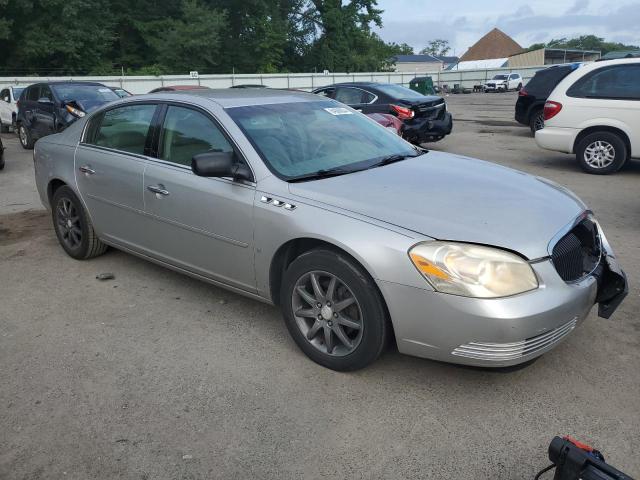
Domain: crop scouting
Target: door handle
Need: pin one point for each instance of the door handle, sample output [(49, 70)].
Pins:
[(159, 189), (87, 170)]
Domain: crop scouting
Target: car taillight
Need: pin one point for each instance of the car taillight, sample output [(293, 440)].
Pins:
[(522, 92), (551, 109), (404, 113)]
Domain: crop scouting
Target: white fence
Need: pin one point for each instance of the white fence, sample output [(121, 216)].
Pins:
[(302, 81)]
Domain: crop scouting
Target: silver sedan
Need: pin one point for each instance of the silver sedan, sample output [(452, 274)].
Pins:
[(357, 235)]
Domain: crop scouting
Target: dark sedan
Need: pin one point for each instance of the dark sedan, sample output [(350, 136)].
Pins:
[(425, 118)]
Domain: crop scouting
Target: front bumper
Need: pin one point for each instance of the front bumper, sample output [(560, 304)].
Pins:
[(419, 130), (499, 332)]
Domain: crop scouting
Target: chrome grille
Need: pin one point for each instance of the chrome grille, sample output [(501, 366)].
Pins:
[(512, 351), (578, 252)]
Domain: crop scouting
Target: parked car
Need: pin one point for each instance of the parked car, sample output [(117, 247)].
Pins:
[(50, 107), (425, 118), (1, 155), (504, 83), (531, 98), (178, 88), (9, 106), (388, 121), (248, 85), (356, 234), (121, 92), (594, 113)]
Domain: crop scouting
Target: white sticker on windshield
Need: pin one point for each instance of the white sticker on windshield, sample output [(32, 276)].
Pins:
[(103, 90), (339, 111)]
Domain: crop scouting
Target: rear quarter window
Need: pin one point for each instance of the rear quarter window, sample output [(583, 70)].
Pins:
[(545, 81)]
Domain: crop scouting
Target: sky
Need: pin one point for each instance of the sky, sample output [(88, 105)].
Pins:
[(463, 22)]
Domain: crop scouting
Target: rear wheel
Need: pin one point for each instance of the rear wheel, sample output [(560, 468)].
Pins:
[(536, 122), (601, 153), (333, 310), (73, 226), (26, 137)]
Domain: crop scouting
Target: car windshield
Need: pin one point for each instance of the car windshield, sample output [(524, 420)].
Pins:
[(500, 77), (304, 138), (87, 97), (17, 91), (400, 92)]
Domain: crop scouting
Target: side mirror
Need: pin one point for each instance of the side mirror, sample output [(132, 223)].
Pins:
[(219, 164), (45, 101)]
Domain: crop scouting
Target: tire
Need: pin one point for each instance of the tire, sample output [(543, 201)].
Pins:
[(536, 121), (363, 322), (26, 138), (80, 242), (601, 153), (519, 87)]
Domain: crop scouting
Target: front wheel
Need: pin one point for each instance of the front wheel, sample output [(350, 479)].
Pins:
[(73, 226), (601, 153), (26, 138), (333, 310)]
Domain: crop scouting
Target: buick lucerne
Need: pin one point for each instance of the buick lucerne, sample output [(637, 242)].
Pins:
[(357, 235)]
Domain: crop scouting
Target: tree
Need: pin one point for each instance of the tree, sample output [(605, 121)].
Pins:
[(438, 47), (584, 42)]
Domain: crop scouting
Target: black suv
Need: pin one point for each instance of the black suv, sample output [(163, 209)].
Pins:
[(425, 118), (531, 98), (46, 108)]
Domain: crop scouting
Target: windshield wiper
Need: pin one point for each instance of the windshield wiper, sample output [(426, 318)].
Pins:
[(393, 159), (332, 172)]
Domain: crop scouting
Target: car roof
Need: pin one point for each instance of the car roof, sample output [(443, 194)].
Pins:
[(237, 97), (70, 82)]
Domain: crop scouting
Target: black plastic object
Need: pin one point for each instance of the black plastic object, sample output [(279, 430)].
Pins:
[(575, 461)]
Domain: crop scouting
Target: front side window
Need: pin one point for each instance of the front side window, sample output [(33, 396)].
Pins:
[(620, 82), (302, 138), (4, 95), (187, 132), (17, 92), (125, 128)]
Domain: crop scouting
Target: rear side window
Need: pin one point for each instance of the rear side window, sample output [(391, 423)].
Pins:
[(33, 93), (187, 132), (45, 92), (351, 96), (619, 82), (124, 128), (546, 80)]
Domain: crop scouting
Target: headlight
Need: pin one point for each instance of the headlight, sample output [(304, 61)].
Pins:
[(75, 111), (472, 270)]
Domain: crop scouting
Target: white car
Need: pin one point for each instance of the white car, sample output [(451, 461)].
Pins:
[(595, 113), (504, 83), (9, 106)]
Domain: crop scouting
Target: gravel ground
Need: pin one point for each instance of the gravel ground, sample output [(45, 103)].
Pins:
[(154, 375)]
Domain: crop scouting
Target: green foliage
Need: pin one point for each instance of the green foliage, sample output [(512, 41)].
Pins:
[(437, 47), (102, 37), (584, 42)]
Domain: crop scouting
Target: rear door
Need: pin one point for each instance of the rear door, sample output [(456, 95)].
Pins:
[(204, 225), (45, 113), (110, 164)]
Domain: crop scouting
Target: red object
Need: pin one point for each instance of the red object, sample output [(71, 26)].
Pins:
[(522, 92), (174, 88), (404, 113), (387, 120), (551, 109), (580, 445)]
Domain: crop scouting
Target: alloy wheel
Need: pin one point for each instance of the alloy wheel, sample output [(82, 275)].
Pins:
[(22, 132), (599, 154), (538, 123), (68, 223), (327, 313)]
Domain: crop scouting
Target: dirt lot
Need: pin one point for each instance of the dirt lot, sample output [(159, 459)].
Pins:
[(154, 375)]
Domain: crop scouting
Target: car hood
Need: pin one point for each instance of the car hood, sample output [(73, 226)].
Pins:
[(448, 197)]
